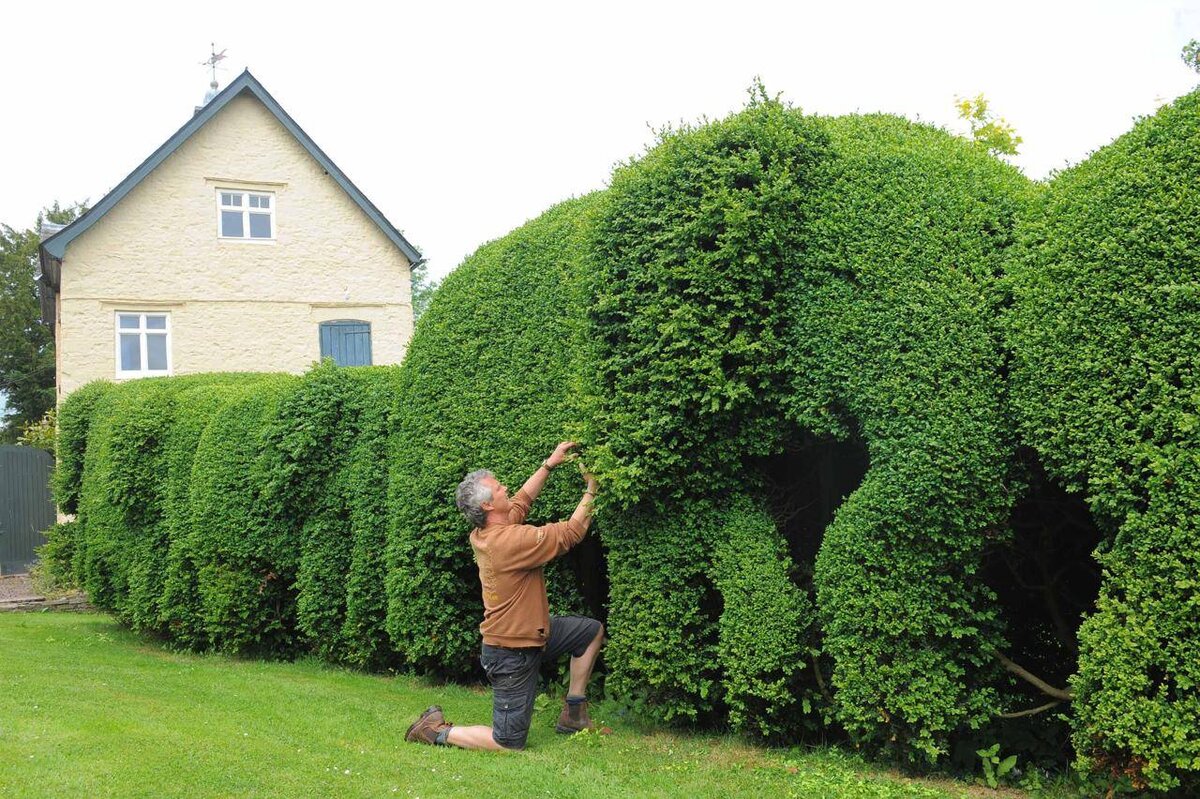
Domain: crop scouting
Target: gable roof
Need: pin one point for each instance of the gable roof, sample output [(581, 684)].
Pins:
[(56, 245)]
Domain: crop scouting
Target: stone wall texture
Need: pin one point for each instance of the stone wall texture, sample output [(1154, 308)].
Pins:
[(233, 305)]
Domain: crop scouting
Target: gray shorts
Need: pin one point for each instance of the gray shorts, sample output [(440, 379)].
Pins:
[(513, 674)]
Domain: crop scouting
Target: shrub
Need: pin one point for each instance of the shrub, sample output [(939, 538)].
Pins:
[(486, 384), (129, 506), (330, 448), (1104, 385), (767, 631), (74, 419), (53, 569), (773, 276), (40, 433), (244, 544), (364, 630), (892, 337)]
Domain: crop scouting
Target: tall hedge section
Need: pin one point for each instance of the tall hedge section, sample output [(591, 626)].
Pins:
[(774, 275), (1105, 331)]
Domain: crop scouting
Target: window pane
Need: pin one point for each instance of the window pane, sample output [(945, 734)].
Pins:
[(253, 200), (260, 226), (129, 321), (156, 352), (131, 353), (231, 224), (226, 198), (236, 200), (156, 322), (264, 201)]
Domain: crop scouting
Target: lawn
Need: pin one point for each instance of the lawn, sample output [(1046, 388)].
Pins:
[(89, 710)]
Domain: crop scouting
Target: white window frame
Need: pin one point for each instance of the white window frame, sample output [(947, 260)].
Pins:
[(143, 332), (245, 208)]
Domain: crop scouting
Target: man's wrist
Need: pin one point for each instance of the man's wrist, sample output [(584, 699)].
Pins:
[(546, 465)]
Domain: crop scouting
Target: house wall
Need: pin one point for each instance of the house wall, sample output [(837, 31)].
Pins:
[(234, 305)]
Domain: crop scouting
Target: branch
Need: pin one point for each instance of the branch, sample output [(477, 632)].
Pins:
[(820, 680), (1036, 682), (1032, 711)]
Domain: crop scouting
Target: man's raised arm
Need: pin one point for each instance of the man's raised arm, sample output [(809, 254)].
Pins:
[(533, 486)]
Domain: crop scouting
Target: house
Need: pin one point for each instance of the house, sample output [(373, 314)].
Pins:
[(238, 245)]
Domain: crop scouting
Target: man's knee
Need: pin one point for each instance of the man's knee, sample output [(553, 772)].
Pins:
[(511, 744)]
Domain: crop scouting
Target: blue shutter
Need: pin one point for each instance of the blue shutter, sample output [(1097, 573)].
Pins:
[(347, 341)]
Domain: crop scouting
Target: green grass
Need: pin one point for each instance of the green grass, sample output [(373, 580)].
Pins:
[(89, 710)]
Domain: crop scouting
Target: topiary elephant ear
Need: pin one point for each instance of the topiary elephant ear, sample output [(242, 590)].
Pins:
[(488, 382), (1105, 332), (770, 278)]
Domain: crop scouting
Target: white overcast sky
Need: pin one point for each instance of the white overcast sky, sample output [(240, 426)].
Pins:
[(462, 120)]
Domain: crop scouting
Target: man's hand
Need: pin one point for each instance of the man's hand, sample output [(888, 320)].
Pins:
[(560, 454), (589, 478)]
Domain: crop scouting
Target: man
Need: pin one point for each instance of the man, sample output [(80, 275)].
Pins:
[(518, 632)]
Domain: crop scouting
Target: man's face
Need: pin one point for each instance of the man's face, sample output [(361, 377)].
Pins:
[(500, 500)]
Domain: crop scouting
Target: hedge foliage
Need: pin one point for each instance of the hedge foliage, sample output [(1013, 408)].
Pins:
[(773, 275), (746, 288), (212, 509), (486, 384), (1106, 384)]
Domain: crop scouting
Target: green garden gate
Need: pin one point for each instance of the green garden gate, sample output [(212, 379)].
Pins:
[(26, 509)]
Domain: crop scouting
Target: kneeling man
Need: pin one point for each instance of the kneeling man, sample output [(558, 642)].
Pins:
[(518, 632)]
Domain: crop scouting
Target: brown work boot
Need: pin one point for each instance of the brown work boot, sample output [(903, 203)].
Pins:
[(574, 718), (426, 728)]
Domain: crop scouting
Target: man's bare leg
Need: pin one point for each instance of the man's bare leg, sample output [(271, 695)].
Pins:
[(477, 737), (581, 667)]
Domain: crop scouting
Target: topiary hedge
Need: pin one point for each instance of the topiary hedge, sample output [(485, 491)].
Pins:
[(751, 293), (1105, 333), (773, 276)]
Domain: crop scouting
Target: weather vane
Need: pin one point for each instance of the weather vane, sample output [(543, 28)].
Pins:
[(213, 60)]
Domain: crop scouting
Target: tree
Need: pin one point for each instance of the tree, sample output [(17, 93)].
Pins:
[(993, 133), (26, 343), (1191, 55), (422, 289)]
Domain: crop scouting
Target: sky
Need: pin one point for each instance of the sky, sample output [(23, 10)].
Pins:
[(461, 121)]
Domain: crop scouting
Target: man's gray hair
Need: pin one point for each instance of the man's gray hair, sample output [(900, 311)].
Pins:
[(471, 494)]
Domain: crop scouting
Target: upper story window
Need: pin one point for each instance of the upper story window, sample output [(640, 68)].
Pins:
[(245, 215), (143, 344)]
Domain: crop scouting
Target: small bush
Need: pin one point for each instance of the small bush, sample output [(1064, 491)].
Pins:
[(53, 572)]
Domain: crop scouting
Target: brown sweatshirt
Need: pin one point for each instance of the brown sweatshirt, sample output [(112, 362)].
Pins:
[(510, 559)]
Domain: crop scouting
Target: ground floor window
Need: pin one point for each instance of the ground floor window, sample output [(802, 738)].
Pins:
[(143, 344), (347, 341)]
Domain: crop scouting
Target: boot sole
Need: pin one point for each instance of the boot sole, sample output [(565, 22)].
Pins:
[(568, 730)]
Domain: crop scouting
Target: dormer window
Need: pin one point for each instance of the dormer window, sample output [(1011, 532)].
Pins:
[(245, 215)]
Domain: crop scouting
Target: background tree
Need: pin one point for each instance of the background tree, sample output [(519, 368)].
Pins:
[(994, 133), (1191, 55), (26, 343), (422, 289)]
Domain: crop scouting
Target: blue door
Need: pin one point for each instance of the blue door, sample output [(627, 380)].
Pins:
[(347, 341)]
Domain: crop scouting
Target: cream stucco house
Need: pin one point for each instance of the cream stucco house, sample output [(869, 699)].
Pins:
[(236, 246)]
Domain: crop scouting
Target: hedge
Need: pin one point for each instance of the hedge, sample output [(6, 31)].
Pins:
[(748, 290), (1105, 335)]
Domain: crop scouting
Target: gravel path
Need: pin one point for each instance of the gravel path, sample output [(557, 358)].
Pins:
[(16, 586)]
